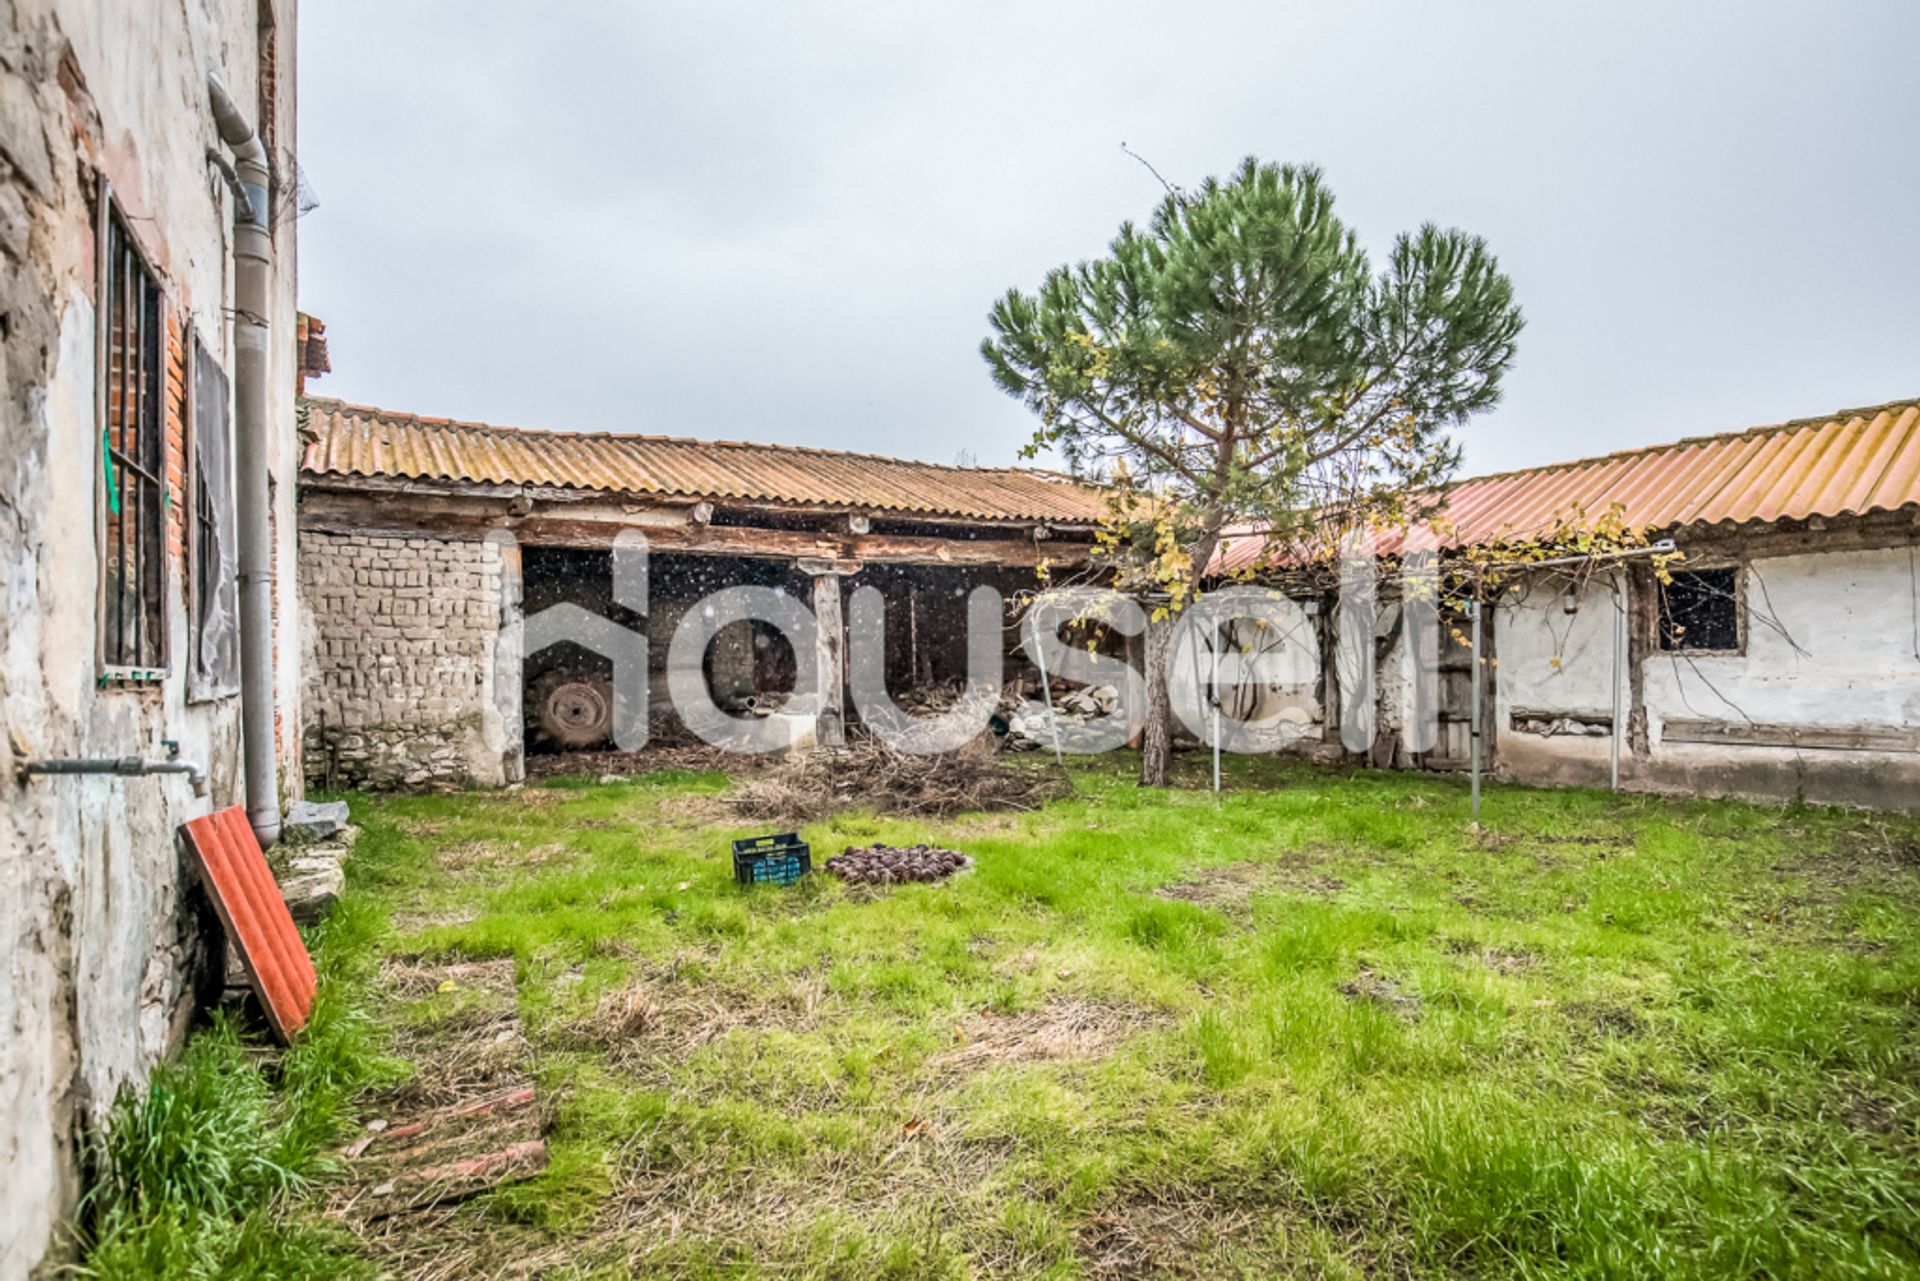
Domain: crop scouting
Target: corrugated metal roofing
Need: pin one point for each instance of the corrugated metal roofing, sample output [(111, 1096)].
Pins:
[(352, 440), (248, 901), (1855, 462)]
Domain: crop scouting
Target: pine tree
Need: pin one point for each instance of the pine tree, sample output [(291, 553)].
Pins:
[(1239, 362)]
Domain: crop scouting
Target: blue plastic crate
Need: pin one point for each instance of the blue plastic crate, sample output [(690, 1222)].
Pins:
[(780, 859)]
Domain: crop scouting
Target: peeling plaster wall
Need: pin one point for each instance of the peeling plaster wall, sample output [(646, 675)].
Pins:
[(1553, 661), (103, 930)]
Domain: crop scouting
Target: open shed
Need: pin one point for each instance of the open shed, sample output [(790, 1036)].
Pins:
[(427, 544)]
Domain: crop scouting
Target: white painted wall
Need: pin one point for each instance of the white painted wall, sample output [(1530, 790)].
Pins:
[(1832, 640)]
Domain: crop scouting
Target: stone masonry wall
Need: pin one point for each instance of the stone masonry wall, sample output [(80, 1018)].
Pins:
[(401, 636)]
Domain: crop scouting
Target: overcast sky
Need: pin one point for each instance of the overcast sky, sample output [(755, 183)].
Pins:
[(786, 221)]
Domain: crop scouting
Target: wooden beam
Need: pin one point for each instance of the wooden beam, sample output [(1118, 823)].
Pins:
[(830, 727), (335, 512), (1827, 738)]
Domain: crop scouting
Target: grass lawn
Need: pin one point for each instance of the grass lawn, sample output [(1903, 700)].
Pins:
[(1320, 1026)]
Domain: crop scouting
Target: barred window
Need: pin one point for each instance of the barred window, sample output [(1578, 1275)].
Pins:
[(1700, 611), (133, 466)]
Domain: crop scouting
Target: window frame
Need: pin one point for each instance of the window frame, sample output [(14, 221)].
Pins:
[(199, 578), (109, 219), (1738, 568)]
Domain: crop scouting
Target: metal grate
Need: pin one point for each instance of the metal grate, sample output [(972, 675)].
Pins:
[(133, 634)]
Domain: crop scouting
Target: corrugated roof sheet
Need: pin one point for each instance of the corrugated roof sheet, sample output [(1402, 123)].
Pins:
[(353, 440), (257, 922), (1857, 461)]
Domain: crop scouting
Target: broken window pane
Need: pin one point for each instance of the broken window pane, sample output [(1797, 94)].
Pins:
[(215, 671), (1700, 610)]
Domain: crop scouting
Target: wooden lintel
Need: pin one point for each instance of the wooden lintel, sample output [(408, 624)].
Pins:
[(1830, 738), (335, 512)]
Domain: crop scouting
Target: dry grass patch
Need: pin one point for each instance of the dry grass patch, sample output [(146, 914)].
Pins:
[(410, 979), (1173, 1232), (659, 1016), (1065, 1028), (458, 1244)]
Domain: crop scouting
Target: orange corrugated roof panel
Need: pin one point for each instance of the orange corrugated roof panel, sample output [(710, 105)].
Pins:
[(352, 440), (1849, 464), (248, 900)]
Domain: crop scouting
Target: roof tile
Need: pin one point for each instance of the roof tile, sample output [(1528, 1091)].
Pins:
[(353, 440), (1855, 462)]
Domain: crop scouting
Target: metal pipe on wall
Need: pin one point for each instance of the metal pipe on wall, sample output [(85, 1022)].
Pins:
[(252, 368)]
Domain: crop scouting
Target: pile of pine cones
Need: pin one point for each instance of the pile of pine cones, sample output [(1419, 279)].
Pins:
[(891, 865)]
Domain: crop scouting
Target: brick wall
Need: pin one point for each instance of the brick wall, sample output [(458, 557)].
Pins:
[(400, 635)]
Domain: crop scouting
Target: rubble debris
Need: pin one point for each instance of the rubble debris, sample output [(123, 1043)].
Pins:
[(314, 820), (444, 1156), (311, 885), (869, 773), (1073, 718), (889, 865)]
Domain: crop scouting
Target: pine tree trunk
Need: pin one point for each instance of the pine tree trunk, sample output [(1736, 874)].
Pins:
[(1156, 743)]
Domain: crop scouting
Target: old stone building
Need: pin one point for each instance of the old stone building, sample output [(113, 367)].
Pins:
[(147, 471), (427, 545)]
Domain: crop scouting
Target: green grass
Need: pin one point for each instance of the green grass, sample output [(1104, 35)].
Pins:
[(200, 1175), (1597, 1036)]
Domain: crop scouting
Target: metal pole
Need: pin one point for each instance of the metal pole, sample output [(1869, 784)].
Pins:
[(1619, 657), (1046, 691), (1213, 693), (1473, 729)]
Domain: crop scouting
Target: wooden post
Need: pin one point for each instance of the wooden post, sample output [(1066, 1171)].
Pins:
[(830, 729)]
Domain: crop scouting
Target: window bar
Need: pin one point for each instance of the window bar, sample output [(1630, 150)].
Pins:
[(117, 437), (136, 422)]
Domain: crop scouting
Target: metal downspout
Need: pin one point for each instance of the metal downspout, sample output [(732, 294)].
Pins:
[(252, 294)]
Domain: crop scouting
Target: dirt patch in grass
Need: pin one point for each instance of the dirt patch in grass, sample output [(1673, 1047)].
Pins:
[(487, 856), (869, 774), (1231, 888), (416, 922), (1501, 960), (1062, 1029), (1602, 1020), (695, 809), (1382, 991)]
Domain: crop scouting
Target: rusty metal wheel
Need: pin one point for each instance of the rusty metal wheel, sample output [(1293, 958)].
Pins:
[(573, 710)]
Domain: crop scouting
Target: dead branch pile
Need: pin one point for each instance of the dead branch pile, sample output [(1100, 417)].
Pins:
[(869, 773), (697, 757), (891, 864)]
